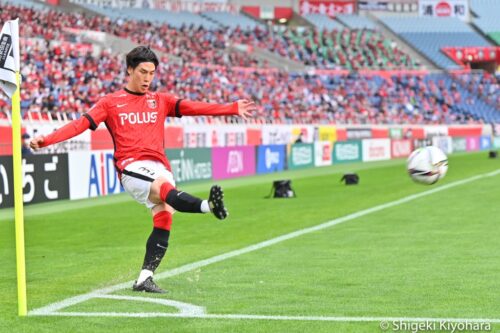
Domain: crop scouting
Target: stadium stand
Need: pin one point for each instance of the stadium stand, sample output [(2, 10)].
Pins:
[(429, 35), (487, 18), (336, 49), (430, 44), (111, 13), (70, 82), (65, 78), (357, 22), (27, 3), (484, 7), (173, 19), (195, 38), (192, 44), (464, 101), (233, 21), (483, 85), (176, 19), (323, 22)]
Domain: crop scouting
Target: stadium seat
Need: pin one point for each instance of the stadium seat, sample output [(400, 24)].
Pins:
[(430, 35), (323, 22), (233, 21), (357, 22)]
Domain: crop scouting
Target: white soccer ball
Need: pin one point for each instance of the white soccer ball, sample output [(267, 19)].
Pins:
[(427, 165)]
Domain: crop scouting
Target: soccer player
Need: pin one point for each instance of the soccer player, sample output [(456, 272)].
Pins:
[(135, 118)]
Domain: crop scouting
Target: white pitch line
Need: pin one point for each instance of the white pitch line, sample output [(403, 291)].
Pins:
[(55, 307), (185, 309), (265, 317)]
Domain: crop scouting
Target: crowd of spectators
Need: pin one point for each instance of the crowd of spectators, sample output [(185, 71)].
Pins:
[(65, 79), (483, 85), (348, 49), (62, 80), (190, 43), (70, 79), (337, 49)]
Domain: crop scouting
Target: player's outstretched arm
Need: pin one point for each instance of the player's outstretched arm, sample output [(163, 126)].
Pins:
[(242, 108), (66, 132)]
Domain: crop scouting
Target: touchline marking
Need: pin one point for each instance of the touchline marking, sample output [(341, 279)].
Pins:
[(264, 317), (57, 306)]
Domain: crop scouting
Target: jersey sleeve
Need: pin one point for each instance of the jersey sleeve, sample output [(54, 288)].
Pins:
[(97, 114), (66, 132), (91, 119), (180, 107), (171, 105)]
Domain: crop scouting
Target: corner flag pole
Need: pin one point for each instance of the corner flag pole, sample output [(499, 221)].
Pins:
[(18, 200), (10, 83)]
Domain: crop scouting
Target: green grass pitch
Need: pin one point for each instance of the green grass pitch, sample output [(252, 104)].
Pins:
[(437, 256)]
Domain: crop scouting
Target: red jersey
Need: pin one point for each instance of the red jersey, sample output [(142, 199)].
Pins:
[(136, 123)]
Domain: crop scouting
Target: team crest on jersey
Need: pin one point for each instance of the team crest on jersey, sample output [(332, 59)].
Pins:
[(151, 103)]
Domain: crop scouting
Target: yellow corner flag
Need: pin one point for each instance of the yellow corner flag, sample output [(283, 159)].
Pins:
[(10, 83)]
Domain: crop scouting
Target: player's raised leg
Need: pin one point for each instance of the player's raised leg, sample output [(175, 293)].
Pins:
[(163, 191)]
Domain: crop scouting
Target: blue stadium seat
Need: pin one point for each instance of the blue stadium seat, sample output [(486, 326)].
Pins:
[(484, 8), (488, 24), (112, 13), (425, 24), (357, 22), (233, 21), (430, 35), (174, 19), (323, 22), (26, 3), (487, 12), (430, 44), (470, 103)]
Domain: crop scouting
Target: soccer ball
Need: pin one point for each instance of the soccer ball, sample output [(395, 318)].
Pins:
[(427, 165)]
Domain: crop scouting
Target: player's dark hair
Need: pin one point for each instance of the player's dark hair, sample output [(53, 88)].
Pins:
[(141, 54)]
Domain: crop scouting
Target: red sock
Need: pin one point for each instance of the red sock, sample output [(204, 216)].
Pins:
[(164, 189), (162, 220)]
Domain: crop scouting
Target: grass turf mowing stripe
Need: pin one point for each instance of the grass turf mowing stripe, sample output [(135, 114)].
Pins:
[(59, 206), (385, 320), (55, 307)]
